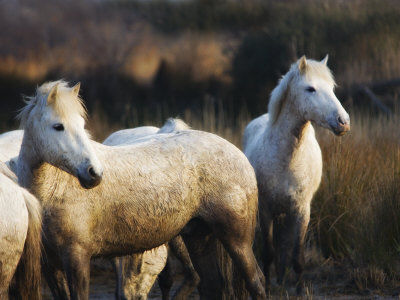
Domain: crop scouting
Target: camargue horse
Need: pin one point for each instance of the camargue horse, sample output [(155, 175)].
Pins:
[(135, 197), (10, 144), (20, 236), (137, 273), (126, 136), (285, 154)]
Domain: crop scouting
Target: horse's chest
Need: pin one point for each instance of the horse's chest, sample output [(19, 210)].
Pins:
[(289, 184)]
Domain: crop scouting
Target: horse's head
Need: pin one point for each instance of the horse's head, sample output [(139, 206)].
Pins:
[(54, 121), (314, 91), (309, 87)]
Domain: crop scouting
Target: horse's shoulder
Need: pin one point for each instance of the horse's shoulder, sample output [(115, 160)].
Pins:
[(253, 132)]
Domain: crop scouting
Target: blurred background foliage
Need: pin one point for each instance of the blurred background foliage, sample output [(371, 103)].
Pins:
[(146, 58), (214, 63)]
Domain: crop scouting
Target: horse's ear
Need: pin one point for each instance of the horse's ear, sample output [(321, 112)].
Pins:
[(52, 95), (75, 89), (325, 60), (302, 64)]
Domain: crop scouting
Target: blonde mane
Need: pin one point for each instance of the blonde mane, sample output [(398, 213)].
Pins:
[(67, 102), (278, 97)]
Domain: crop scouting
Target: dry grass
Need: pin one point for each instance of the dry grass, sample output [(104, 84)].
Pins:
[(355, 214)]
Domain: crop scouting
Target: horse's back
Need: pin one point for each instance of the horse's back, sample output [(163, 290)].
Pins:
[(253, 130), (177, 161), (10, 144), (127, 135), (13, 136)]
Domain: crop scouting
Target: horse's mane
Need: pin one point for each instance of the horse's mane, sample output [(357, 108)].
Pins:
[(173, 124), (67, 103), (278, 95)]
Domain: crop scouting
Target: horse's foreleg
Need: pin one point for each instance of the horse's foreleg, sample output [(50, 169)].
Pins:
[(55, 276), (192, 279), (116, 264), (77, 266), (284, 236), (298, 251), (267, 249)]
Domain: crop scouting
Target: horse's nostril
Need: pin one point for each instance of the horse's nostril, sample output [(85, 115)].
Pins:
[(92, 172), (341, 121)]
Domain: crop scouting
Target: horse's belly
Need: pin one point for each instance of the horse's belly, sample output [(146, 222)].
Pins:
[(136, 234)]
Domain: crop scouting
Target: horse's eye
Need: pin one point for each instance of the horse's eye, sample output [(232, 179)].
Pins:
[(58, 127), (310, 89)]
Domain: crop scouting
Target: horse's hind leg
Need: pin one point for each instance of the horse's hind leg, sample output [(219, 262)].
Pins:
[(165, 279), (191, 279), (237, 235), (203, 251), (243, 256)]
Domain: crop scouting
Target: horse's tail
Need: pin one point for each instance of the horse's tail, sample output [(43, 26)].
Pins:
[(28, 273), (233, 283)]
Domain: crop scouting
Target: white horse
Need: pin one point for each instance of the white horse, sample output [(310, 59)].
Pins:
[(127, 136), (285, 154), (146, 195), (137, 273), (20, 236), (120, 136), (10, 144)]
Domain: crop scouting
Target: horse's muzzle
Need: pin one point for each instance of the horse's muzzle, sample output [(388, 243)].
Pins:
[(341, 129), (90, 178)]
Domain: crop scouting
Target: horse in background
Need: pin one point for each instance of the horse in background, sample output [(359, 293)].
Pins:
[(20, 240), (282, 148), (127, 136), (10, 144), (102, 201), (136, 274)]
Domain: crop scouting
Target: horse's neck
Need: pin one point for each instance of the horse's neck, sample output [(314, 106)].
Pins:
[(40, 178), (289, 132), (28, 161)]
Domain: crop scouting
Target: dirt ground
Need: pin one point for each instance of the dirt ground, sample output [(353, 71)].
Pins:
[(322, 282)]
